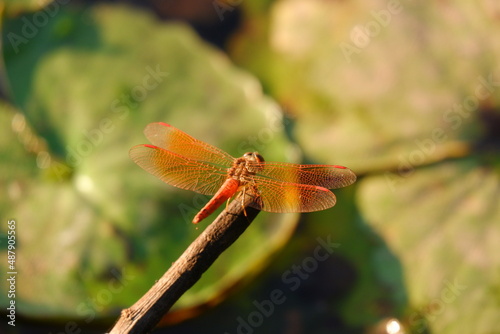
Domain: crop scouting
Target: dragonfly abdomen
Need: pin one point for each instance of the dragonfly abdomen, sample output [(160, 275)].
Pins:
[(228, 189)]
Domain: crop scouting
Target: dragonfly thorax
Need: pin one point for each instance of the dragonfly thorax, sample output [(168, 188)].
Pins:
[(249, 164)]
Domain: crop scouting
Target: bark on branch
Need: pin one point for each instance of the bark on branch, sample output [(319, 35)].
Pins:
[(144, 315)]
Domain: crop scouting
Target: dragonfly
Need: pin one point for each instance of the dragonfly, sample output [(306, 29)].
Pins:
[(188, 163)]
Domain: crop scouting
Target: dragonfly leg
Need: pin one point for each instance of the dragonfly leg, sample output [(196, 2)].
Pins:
[(243, 201)]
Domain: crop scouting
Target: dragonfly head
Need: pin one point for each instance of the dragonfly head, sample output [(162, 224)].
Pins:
[(254, 161)]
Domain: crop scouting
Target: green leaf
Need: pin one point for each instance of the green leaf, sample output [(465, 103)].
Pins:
[(369, 84), (442, 223)]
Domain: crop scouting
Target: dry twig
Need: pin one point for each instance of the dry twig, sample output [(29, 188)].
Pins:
[(145, 314)]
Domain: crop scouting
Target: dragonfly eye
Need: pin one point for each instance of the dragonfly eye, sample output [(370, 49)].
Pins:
[(258, 158), (254, 157)]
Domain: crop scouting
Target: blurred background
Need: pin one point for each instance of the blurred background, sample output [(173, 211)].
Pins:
[(406, 94)]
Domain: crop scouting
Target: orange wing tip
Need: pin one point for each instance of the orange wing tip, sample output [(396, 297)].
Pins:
[(150, 146), (152, 126)]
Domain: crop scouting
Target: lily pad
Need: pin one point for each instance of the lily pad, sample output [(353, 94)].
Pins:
[(94, 230), (442, 223), (379, 78)]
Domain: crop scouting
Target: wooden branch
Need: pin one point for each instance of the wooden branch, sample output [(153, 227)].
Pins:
[(145, 314)]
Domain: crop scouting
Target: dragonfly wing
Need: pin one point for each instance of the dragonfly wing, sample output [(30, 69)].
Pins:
[(327, 176), (178, 170), (172, 139), (274, 196)]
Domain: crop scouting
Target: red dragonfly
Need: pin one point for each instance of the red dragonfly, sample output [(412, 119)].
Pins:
[(188, 163)]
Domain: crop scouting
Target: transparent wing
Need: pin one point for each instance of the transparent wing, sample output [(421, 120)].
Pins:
[(327, 176), (172, 139), (178, 170), (275, 196)]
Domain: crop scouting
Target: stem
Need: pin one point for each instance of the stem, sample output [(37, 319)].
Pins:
[(144, 315)]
